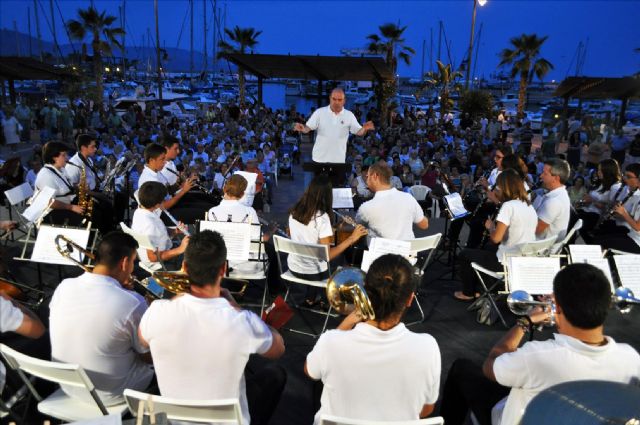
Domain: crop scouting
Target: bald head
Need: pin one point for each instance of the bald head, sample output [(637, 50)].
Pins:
[(336, 100)]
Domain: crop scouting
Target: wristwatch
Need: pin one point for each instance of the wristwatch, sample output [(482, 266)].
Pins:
[(525, 324)]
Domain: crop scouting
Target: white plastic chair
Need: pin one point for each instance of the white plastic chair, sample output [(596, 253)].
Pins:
[(59, 405), (335, 420), (145, 243), (225, 411), (539, 248), (419, 191), (313, 251), (422, 245), (559, 246)]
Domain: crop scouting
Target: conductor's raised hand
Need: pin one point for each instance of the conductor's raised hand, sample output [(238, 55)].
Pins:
[(298, 127), (368, 126)]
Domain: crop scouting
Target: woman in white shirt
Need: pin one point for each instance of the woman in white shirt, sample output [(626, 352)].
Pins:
[(515, 224), (310, 222), (598, 201), (53, 175)]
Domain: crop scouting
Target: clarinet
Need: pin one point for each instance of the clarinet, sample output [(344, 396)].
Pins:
[(179, 226), (608, 214), (487, 232)]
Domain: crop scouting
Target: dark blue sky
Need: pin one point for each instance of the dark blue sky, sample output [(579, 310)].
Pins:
[(324, 27)]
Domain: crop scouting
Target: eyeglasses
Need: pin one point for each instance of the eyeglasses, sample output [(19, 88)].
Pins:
[(629, 177)]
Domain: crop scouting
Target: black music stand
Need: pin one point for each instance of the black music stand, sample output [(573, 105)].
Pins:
[(452, 250), (336, 171)]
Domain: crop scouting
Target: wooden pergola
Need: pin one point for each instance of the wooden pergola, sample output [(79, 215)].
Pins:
[(320, 68), (14, 68)]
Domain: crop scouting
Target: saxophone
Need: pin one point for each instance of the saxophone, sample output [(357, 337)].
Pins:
[(84, 198)]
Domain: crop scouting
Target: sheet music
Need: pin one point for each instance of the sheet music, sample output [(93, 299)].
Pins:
[(455, 205), (603, 264), (533, 274), (367, 258), (342, 198), (584, 253), (628, 267), (237, 237), (381, 246), (39, 204), (250, 191), (45, 251)]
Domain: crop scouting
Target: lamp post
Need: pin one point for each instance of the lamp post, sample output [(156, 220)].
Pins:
[(473, 25)]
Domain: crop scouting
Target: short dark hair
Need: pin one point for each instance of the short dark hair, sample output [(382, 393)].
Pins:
[(633, 168), (204, 257), (51, 150), (85, 140), (389, 284), (151, 193), (153, 151), (584, 294), (167, 140), (113, 247)]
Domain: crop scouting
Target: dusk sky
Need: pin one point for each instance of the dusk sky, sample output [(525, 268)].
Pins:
[(610, 28)]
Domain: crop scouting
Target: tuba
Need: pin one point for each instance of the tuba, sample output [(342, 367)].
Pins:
[(345, 290)]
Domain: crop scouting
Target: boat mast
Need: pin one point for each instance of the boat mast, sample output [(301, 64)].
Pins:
[(158, 63), (53, 30), (123, 23), (204, 19), (29, 23), (191, 41), (35, 10)]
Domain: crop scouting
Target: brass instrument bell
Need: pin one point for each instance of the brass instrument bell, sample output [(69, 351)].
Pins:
[(345, 290)]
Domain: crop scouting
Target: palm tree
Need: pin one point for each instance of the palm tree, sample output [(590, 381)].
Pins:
[(391, 46), (243, 38), (525, 61), (104, 37), (444, 81)]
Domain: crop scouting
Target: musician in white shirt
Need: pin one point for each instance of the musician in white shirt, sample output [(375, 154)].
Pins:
[(146, 221), (53, 175), (554, 207), (627, 212), (231, 209)]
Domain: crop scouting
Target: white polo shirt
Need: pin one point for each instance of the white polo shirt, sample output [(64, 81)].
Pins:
[(332, 133), (493, 177), (317, 228), (633, 208), (11, 318), (398, 369), (554, 208), (538, 365), (74, 168), (93, 322), (170, 172), (390, 214), (521, 220), (200, 347), (49, 176), (149, 223), (148, 175), (604, 197)]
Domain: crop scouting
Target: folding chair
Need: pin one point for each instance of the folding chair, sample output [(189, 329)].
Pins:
[(335, 420), (59, 405), (17, 198), (313, 251), (535, 248), (559, 246), (144, 242), (418, 246), (420, 193), (225, 411)]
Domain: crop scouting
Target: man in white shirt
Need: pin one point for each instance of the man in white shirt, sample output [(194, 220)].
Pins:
[(399, 369), (390, 214), (231, 209), (185, 335), (554, 207), (579, 351), (93, 321), (333, 124)]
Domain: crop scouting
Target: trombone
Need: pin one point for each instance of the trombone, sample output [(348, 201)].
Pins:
[(66, 247)]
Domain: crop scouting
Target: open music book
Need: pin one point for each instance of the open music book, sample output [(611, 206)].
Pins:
[(45, 251), (628, 267), (237, 237), (380, 246), (532, 274), (455, 206), (342, 198)]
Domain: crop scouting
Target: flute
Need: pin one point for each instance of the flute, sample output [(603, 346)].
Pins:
[(179, 226)]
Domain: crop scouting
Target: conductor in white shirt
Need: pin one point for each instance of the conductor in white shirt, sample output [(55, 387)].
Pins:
[(332, 124)]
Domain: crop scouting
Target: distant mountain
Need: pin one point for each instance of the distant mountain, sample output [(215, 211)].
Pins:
[(19, 44)]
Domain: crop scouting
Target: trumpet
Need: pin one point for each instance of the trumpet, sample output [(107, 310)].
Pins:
[(66, 246), (345, 291), (521, 303), (624, 299)]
